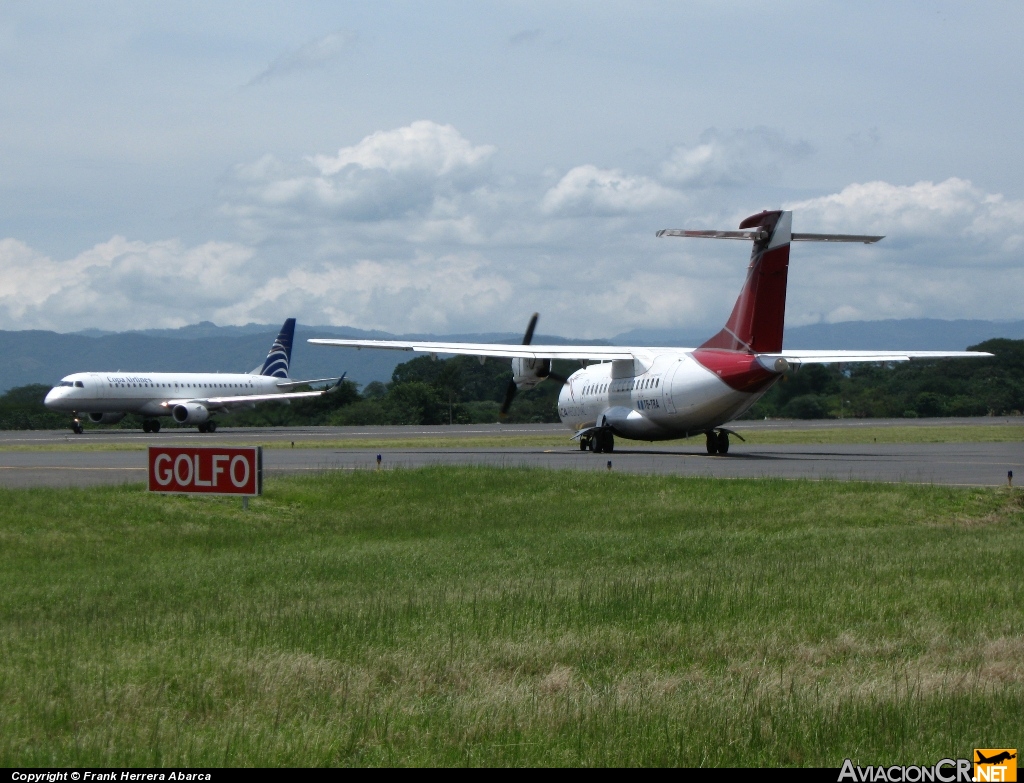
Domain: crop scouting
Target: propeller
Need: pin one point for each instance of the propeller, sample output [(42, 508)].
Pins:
[(510, 391)]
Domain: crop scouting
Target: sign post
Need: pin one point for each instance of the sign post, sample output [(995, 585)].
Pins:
[(209, 470)]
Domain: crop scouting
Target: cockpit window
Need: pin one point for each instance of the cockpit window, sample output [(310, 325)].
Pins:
[(79, 385)]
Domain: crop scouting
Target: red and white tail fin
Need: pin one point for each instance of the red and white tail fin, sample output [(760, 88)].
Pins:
[(758, 317), (756, 323)]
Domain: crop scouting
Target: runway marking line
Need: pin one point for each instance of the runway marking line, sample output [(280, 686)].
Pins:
[(57, 467)]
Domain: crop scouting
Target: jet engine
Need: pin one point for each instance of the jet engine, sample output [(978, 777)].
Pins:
[(105, 418), (190, 413), (527, 373)]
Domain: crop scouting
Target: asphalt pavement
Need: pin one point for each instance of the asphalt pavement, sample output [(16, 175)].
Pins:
[(984, 464)]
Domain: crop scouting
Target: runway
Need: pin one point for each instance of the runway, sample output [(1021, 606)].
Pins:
[(249, 435), (969, 464)]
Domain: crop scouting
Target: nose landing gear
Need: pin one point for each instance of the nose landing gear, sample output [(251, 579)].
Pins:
[(76, 426), (151, 425)]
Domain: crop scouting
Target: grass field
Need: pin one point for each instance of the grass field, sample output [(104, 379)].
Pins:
[(981, 433), (511, 617)]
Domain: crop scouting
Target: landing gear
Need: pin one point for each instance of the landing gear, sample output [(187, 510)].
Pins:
[(600, 441), (76, 427), (207, 426), (717, 442), (151, 425), (584, 444)]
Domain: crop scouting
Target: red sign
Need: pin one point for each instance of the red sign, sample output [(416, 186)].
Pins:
[(219, 470)]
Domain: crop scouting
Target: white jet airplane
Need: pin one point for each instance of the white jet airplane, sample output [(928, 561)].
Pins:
[(666, 393), (189, 398)]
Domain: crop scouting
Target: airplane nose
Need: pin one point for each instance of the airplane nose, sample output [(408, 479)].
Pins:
[(51, 397)]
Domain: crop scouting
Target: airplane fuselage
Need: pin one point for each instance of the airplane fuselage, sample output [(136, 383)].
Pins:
[(146, 392), (665, 395)]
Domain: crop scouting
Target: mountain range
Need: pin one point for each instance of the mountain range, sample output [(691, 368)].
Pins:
[(36, 356)]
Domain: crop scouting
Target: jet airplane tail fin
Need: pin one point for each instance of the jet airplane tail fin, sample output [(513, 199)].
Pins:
[(279, 359)]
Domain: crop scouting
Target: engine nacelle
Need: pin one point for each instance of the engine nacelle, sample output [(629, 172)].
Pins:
[(105, 418), (190, 413), (527, 373)]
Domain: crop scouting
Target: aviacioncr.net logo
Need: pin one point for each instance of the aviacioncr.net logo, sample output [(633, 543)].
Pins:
[(995, 764), (943, 771)]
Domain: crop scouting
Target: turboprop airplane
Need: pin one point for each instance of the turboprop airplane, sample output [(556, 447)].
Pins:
[(188, 398), (666, 393)]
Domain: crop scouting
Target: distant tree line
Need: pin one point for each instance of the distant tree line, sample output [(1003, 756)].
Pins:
[(948, 387), (462, 390)]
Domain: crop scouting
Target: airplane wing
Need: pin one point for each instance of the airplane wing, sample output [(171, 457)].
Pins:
[(613, 352), (290, 384), (833, 357), (594, 353), (215, 403)]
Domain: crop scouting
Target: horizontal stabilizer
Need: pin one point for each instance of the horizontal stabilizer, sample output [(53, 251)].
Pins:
[(760, 233), (862, 238)]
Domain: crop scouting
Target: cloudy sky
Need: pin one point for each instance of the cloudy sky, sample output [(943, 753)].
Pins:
[(453, 167)]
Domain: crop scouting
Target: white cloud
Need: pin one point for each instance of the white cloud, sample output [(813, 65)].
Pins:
[(423, 146), (123, 284), (738, 157), (120, 284), (589, 191), (424, 292), (388, 175), (876, 285), (312, 55), (393, 220), (412, 230), (973, 226)]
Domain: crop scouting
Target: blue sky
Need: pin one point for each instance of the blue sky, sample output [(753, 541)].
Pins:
[(453, 167)]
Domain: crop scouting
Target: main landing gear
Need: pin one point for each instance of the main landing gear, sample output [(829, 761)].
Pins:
[(599, 441), (718, 442), (151, 425), (207, 426)]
